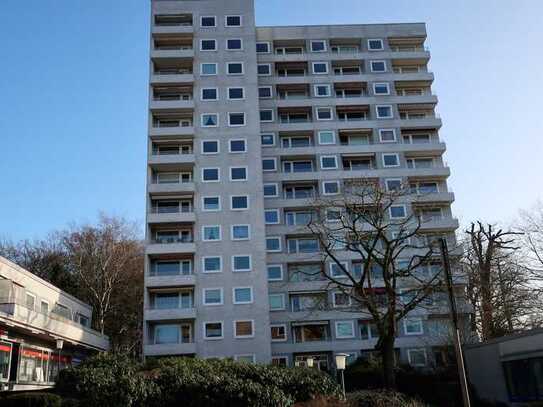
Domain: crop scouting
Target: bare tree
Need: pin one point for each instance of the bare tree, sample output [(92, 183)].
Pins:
[(531, 225), (371, 224)]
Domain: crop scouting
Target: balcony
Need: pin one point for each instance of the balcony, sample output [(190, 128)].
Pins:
[(171, 188), (408, 47), (154, 314), (169, 349), (174, 71), (172, 47), (352, 113), (170, 246), (171, 97), (172, 124), (172, 24), (295, 115)]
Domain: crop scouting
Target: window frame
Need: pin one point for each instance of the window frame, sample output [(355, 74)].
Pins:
[(215, 338), (317, 108), (234, 49), (211, 210), (391, 154), (397, 206), (203, 180), (331, 265), (323, 168), (232, 263), (238, 196), (270, 88), (351, 323), (270, 159), (236, 125), (326, 85), (266, 110), (336, 305), (378, 61), (203, 152), (269, 65), (326, 131), (228, 73), (324, 42), (240, 239), (392, 179), (209, 63), (267, 145), (246, 168), (378, 116), (228, 89), (277, 212), (278, 238), (233, 15), (251, 301), (212, 257), (386, 84), (209, 88), (208, 26), (417, 350), (252, 335), (282, 295), (284, 326), (202, 40), (209, 126), (417, 320), (221, 291), (280, 266), (276, 190), (381, 131), (375, 49), (330, 182), (237, 152), (211, 226), (325, 63), (268, 44)]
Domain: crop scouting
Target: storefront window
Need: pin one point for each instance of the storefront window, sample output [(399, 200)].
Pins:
[(5, 356), (39, 365)]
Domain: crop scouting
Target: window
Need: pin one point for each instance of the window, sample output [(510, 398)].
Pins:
[(270, 191), (266, 115), (269, 164), (263, 47), (333, 215), (170, 334), (208, 69), (328, 162), (213, 330), (324, 113), (209, 94), (234, 68), (241, 263), (243, 329), (239, 202), (171, 268), (378, 66), (303, 245), (264, 69), (391, 160), (242, 295), (44, 307), (344, 329), (30, 301), (280, 361), (208, 21), (275, 272), (330, 187), (210, 175), (381, 89), (387, 135), (238, 146), (393, 184), (241, 232), (210, 147), (267, 140), (318, 46), (273, 244), (277, 302), (327, 137), (417, 357), (320, 68), (232, 21), (208, 45), (211, 203), (210, 120), (413, 326), (236, 93), (397, 211), (211, 233), (375, 45), (336, 270), (212, 264), (271, 216), (236, 119), (322, 91), (278, 333), (238, 173), (265, 92), (234, 44), (212, 296), (340, 299), (368, 330), (383, 111)]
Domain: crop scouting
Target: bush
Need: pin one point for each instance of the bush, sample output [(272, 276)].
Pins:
[(381, 398), (32, 400)]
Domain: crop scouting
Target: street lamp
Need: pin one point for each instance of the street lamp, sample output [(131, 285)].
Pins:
[(60, 345), (340, 365), (310, 361)]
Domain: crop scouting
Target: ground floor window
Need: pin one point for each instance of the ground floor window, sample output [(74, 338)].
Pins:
[(38, 365), (5, 357), (320, 361), (524, 379)]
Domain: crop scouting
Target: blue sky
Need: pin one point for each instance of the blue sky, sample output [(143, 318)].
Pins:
[(73, 83)]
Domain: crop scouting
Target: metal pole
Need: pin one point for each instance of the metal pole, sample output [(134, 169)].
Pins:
[(343, 384), (454, 319)]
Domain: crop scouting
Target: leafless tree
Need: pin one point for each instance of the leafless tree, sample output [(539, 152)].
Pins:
[(531, 225)]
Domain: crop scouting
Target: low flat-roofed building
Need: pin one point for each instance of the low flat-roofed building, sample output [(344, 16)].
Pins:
[(42, 329)]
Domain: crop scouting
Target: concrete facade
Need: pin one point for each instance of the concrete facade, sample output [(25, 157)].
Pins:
[(322, 105)]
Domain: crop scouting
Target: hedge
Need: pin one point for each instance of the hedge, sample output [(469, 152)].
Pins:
[(381, 398), (34, 399)]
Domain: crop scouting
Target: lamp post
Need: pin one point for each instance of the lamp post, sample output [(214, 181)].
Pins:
[(340, 365), (310, 361), (60, 345)]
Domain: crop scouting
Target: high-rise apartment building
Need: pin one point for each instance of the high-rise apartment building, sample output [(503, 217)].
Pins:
[(246, 126)]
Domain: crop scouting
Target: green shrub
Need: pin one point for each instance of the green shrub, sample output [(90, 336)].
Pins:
[(381, 398), (32, 399)]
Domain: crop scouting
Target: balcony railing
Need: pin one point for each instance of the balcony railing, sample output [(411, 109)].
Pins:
[(352, 117), (294, 119), (173, 71), (408, 48), (417, 116), (173, 48), (173, 96), (172, 123), (346, 49), (172, 240)]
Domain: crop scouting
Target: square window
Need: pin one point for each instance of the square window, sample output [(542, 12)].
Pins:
[(344, 329), (270, 191), (278, 333), (327, 137), (269, 164), (243, 295), (280, 361), (233, 21), (324, 113), (318, 46), (340, 299), (378, 66), (263, 47), (210, 94), (264, 69), (208, 45), (236, 119), (234, 68), (277, 302), (336, 270), (320, 68), (417, 357), (381, 89), (267, 140), (210, 175), (266, 115), (387, 135), (236, 93), (238, 173), (271, 216), (234, 44), (397, 211), (210, 147), (238, 146), (212, 296), (375, 45), (391, 160), (322, 91), (333, 215), (241, 232), (210, 120), (384, 111), (207, 21), (394, 184), (241, 263), (213, 330), (275, 272), (413, 326), (328, 162), (211, 233), (212, 264), (239, 203), (330, 187), (273, 244), (211, 203), (243, 329), (265, 92), (207, 69)]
